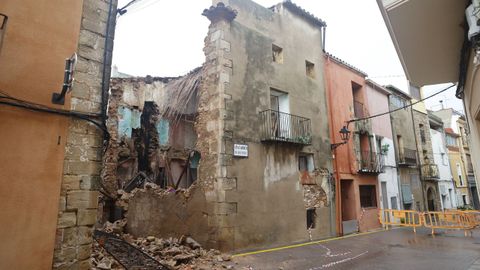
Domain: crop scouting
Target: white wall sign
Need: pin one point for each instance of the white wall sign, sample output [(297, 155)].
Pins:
[(240, 150)]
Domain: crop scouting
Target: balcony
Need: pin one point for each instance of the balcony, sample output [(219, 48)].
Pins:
[(430, 171), (283, 127), (370, 162), (407, 157)]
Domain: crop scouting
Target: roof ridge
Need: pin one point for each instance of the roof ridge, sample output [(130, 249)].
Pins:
[(339, 60)]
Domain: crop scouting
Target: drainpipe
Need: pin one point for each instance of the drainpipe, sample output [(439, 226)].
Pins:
[(324, 31), (331, 178), (107, 58)]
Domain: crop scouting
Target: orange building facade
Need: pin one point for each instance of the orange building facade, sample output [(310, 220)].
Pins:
[(51, 160), (356, 163)]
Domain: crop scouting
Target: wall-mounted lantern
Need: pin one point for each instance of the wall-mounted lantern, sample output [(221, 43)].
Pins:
[(344, 135)]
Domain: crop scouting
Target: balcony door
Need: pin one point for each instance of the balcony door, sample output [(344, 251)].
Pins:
[(280, 114)]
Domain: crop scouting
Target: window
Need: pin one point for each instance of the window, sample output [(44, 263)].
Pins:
[(397, 102), (401, 151), (305, 162), (311, 218), (407, 194), (3, 27), (422, 133), (459, 172), (393, 202), (277, 54), (310, 69), (444, 159), (451, 141), (415, 92), (368, 196), (464, 198)]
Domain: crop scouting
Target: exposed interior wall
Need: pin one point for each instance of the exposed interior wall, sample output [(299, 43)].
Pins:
[(33, 143)]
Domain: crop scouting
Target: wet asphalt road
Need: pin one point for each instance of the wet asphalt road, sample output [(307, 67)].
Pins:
[(395, 249)]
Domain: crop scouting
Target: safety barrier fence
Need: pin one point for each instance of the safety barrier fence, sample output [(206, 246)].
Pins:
[(447, 220)]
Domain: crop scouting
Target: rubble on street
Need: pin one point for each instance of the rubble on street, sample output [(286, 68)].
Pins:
[(182, 253)]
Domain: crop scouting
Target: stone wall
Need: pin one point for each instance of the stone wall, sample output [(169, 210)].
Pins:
[(83, 157), (214, 137)]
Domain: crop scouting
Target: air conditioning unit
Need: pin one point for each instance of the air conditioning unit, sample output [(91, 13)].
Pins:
[(472, 13)]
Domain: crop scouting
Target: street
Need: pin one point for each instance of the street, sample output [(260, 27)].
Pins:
[(393, 249)]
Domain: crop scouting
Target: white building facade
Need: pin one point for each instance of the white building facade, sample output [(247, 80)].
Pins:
[(445, 181)]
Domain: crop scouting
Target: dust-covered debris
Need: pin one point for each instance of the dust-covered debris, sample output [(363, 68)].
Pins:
[(182, 253), (124, 197), (102, 260)]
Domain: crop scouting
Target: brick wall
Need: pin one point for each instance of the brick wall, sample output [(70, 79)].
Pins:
[(83, 153)]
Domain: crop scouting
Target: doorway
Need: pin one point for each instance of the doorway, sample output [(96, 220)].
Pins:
[(384, 195), (349, 217), (431, 199)]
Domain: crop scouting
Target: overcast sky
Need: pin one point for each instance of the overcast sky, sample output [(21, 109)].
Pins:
[(166, 38)]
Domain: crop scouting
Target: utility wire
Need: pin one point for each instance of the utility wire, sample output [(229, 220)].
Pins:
[(8, 100), (401, 108), (122, 10)]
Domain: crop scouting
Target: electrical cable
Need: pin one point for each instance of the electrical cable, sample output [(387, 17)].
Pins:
[(398, 109), (8, 100), (145, 4), (122, 9)]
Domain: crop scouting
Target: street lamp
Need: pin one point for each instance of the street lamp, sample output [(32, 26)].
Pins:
[(344, 135)]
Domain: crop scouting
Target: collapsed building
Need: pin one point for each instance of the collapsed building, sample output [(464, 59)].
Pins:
[(237, 152)]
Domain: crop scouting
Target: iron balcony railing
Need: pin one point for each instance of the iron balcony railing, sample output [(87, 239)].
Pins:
[(284, 127), (430, 171), (408, 157), (358, 109), (370, 162)]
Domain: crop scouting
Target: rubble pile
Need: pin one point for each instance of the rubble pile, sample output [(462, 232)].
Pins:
[(124, 197), (182, 253), (100, 259)]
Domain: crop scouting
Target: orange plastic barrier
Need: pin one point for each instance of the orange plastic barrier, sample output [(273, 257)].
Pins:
[(406, 218), (456, 220), (475, 215)]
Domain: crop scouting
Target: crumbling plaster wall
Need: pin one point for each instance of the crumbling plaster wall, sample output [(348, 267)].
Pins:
[(155, 211), (170, 135), (248, 203)]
